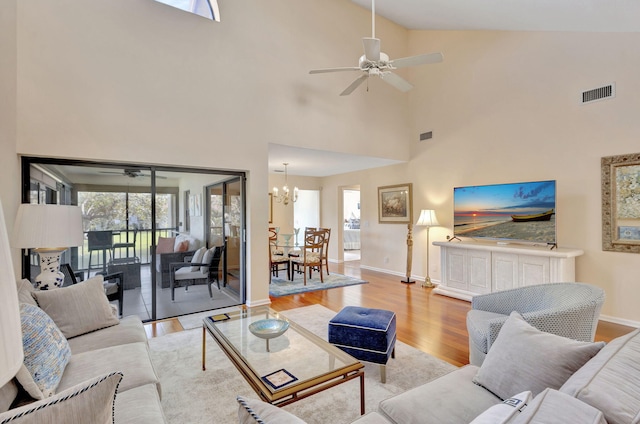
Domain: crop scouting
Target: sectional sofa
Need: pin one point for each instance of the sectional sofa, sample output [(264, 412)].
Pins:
[(77, 354), (528, 376)]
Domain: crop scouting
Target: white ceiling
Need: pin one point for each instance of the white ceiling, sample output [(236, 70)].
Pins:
[(512, 15), (507, 15)]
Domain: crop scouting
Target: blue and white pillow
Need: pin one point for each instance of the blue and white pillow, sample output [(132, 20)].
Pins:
[(46, 352)]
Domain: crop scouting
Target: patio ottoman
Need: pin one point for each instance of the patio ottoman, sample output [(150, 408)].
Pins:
[(366, 334)]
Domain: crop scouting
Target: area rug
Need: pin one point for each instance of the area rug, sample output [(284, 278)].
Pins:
[(190, 395), (283, 287)]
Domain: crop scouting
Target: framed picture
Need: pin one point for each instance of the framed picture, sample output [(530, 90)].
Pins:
[(270, 208), (395, 204), (621, 203)]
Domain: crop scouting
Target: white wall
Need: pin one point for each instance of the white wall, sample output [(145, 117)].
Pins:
[(503, 107), (135, 80), (9, 164)]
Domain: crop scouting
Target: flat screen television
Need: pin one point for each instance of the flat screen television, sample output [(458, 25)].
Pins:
[(513, 212)]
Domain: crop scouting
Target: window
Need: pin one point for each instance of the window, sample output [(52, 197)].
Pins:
[(205, 8)]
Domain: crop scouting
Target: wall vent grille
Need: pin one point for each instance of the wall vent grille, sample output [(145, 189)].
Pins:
[(601, 93), (426, 135)]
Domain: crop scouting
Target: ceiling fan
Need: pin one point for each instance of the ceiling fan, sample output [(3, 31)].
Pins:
[(375, 62), (131, 173)]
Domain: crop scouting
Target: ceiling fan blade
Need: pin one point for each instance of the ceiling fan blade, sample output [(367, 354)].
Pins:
[(371, 48), (354, 84), (397, 81), (422, 59), (323, 71)]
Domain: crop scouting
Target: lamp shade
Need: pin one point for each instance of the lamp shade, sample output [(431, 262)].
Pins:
[(427, 218), (47, 227), (10, 328)]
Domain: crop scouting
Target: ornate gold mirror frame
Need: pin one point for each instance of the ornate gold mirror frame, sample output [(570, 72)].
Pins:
[(621, 203)]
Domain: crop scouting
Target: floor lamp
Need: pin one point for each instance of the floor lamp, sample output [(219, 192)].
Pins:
[(427, 219), (49, 230)]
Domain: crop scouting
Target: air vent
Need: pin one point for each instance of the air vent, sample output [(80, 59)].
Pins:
[(602, 93), (426, 135)]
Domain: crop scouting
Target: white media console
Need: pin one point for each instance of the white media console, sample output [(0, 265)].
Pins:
[(470, 267)]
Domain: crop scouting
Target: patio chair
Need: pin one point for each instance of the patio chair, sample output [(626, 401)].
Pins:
[(203, 268), (126, 245), (311, 256), (567, 309)]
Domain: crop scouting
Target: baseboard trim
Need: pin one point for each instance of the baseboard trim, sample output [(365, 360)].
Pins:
[(621, 321), (260, 302)]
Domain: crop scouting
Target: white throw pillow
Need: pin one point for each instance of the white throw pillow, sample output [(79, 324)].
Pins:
[(525, 358), (78, 309), (504, 412), (197, 258), (252, 411)]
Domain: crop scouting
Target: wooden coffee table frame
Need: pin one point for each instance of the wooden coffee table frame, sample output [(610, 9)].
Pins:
[(298, 390)]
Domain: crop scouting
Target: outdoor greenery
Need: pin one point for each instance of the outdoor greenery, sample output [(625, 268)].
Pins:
[(108, 211)]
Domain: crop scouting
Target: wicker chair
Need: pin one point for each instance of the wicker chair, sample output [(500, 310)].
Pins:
[(567, 309)]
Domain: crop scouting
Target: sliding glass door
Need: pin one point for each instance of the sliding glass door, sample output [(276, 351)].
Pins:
[(137, 207), (225, 215)]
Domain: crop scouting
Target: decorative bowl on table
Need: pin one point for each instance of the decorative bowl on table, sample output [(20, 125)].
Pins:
[(268, 328)]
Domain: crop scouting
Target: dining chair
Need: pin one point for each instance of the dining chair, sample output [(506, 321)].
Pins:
[(277, 258), (204, 267), (311, 256)]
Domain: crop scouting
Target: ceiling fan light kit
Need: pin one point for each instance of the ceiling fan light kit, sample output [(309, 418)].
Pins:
[(374, 62)]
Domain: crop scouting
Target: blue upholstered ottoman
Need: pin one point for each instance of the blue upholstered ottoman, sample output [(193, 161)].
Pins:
[(366, 334)]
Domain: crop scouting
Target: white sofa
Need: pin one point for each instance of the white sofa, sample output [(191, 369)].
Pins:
[(542, 378), (97, 354)]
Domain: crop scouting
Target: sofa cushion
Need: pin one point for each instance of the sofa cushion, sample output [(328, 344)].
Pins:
[(610, 381), (525, 358), (165, 245), (551, 406), (91, 401), (182, 246), (131, 359), (450, 399), (46, 352), (129, 330), (25, 292), (78, 309), (504, 412), (8, 394), (140, 405), (252, 411), (197, 258)]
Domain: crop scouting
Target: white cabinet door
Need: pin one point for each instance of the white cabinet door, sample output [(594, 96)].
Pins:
[(505, 271), (533, 270), (456, 269), (479, 269)]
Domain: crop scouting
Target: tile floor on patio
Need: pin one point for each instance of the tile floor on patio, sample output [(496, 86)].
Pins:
[(138, 301)]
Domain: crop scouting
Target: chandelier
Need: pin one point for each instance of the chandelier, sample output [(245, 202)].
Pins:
[(285, 196)]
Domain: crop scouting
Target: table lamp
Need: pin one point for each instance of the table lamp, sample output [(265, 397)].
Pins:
[(11, 356), (427, 219), (49, 230)]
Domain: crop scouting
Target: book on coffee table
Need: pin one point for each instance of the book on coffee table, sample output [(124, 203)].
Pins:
[(279, 378)]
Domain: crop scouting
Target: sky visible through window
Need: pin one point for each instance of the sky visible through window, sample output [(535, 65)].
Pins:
[(206, 8)]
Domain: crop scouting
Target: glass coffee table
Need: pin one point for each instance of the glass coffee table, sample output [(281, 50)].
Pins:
[(284, 369)]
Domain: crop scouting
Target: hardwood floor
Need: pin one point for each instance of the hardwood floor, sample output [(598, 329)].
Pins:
[(432, 323)]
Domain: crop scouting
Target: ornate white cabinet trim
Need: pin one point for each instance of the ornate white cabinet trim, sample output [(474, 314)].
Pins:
[(469, 267)]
